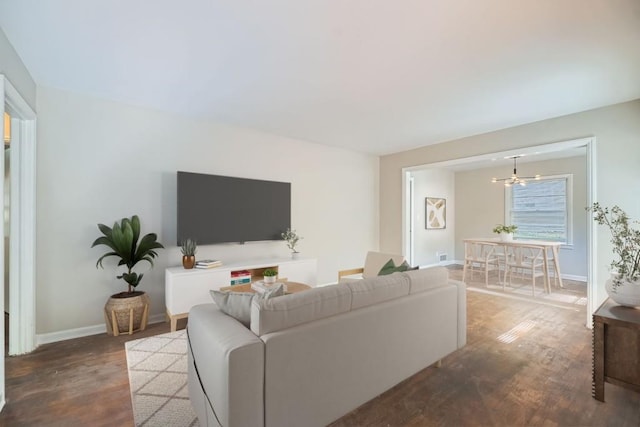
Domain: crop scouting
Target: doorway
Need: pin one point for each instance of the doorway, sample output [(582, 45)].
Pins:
[(21, 246), (6, 136), (589, 146)]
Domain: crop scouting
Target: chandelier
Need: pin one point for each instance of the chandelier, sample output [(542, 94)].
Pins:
[(515, 179)]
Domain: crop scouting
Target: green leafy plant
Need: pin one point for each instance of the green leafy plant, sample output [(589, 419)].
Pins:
[(123, 241), (189, 247), (625, 240), (269, 272), (292, 238), (501, 228)]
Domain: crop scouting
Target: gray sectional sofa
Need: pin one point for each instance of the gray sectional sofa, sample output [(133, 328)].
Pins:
[(311, 357)]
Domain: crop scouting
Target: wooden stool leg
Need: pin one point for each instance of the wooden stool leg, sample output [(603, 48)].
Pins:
[(130, 321), (145, 317), (114, 324), (464, 271), (107, 322)]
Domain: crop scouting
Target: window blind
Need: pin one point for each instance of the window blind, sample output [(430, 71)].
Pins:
[(540, 210)]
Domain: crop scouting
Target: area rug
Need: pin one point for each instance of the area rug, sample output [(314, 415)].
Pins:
[(158, 380)]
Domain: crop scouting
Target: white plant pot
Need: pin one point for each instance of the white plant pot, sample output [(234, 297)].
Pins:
[(295, 255), (269, 279), (626, 293), (506, 237)]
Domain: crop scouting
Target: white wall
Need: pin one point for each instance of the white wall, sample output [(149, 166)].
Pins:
[(440, 184), (12, 67), (481, 206), (99, 161), (617, 132)]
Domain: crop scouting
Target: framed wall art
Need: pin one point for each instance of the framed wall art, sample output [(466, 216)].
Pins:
[(435, 213)]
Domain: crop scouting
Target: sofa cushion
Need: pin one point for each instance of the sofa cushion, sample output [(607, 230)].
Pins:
[(302, 307), (371, 291), (427, 278), (238, 304)]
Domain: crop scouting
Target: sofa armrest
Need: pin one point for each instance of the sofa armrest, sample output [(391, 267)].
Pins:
[(229, 364), (350, 272)]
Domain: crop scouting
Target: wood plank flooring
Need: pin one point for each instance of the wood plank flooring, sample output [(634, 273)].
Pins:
[(542, 377)]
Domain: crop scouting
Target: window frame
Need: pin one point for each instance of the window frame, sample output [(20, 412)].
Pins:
[(569, 204)]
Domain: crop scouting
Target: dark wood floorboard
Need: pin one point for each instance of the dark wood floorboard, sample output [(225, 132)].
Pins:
[(78, 382), (543, 378)]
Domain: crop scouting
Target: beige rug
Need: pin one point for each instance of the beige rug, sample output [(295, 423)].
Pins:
[(158, 380)]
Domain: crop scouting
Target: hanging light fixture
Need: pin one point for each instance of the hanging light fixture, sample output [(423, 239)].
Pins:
[(7, 128), (515, 179)]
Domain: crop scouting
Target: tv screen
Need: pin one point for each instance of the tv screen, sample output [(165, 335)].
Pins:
[(223, 209)]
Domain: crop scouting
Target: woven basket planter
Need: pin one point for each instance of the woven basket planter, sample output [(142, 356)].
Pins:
[(126, 314)]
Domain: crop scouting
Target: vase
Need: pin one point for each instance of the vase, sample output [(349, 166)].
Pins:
[(626, 293), (126, 313), (188, 261), (295, 255), (506, 237), (269, 279)]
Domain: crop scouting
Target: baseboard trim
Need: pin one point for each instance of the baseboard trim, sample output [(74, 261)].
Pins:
[(574, 277), (85, 331), (439, 264)]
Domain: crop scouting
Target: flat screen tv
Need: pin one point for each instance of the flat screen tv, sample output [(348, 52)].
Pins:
[(223, 209)]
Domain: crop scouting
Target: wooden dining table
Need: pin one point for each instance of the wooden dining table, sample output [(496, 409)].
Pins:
[(543, 244)]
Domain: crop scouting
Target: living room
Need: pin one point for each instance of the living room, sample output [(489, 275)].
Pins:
[(103, 155)]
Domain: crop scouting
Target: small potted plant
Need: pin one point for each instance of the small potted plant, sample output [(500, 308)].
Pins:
[(292, 238), (188, 248), (270, 276), (127, 311), (624, 284), (505, 231)]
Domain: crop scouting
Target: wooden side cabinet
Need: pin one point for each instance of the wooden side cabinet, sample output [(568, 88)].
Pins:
[(616, 347)]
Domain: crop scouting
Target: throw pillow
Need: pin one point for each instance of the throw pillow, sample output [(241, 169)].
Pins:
[(238, 304), (390, 267)]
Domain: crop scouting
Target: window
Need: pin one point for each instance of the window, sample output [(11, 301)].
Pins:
[(541, 209)]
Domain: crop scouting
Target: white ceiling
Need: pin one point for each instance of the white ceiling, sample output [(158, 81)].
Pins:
[(375, 76), (506, 161)]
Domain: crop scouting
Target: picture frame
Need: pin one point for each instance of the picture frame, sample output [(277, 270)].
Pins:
[(435, 213)]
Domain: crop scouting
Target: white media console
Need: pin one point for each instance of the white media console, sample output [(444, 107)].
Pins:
[(185, 288)]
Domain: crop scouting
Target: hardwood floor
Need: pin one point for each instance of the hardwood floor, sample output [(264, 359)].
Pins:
[(79, 382), (541, 377)]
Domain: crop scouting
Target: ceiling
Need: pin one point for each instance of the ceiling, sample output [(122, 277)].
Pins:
[(367, 75), (506, 161)]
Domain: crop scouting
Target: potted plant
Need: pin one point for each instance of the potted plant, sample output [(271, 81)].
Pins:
[(127, 311), (505, 231), (270, 275), (292, 238), (189, 247), (624, 284)]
